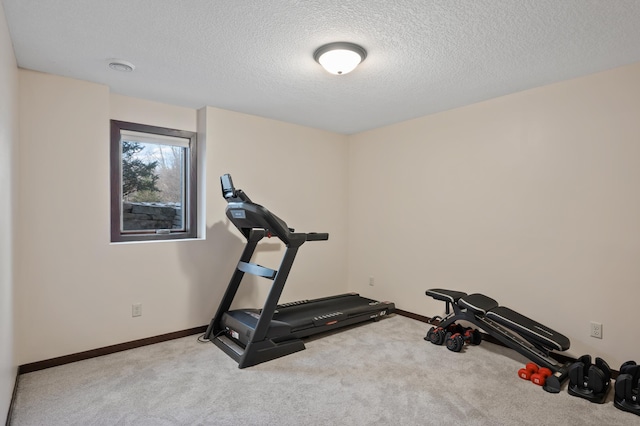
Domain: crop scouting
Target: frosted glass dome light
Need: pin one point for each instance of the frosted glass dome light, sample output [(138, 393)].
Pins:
[(340, 58)]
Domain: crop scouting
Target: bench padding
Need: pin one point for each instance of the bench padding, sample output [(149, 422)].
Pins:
[(482, 306), (450, 296), (529, 328)]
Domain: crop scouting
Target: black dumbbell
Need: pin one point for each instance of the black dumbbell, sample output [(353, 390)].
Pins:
[(454, 340), (627, 388), (435, 335), (589, 381)]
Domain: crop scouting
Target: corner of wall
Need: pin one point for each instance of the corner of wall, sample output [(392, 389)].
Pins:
[(8, 193)]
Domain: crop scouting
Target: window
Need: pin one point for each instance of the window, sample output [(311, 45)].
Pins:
[(153, 183)]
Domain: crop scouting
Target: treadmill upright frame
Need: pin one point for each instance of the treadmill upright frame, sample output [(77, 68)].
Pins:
[(259, 348)]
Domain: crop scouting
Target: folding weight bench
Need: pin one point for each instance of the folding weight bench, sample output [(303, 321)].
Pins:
[(522, 334)]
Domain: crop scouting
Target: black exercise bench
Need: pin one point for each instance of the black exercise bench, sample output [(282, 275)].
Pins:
[(522, 334)]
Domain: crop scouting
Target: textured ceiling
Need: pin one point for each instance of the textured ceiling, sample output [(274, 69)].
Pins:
[(424, 56)]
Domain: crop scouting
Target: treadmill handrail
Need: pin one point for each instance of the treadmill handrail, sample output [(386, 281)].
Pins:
[(317, 236), (246, 215)]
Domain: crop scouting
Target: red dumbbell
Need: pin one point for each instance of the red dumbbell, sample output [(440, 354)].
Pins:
[(528, 370), (540, 377)]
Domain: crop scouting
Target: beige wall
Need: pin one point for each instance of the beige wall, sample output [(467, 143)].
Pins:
[(75, 289), (8, 150), (531, 199), (299, 174)]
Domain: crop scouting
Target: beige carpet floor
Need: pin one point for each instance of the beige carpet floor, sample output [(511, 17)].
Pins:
[(381, 373)]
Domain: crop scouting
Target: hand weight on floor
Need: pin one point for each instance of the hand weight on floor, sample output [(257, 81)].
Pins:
[(540, 377), (529, 370)]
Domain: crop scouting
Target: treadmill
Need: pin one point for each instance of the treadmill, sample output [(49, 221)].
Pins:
[(253, 336)]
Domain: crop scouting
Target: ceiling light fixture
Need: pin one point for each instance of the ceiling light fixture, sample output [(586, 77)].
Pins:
[(121, 65), (340, 58)]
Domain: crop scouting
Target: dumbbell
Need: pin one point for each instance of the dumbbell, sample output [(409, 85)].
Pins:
[(529, 370), (540, 377), (438, 335), (458, 335), (472, 336), (589, 381)]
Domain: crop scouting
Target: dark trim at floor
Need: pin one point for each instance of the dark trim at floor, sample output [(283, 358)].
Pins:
[(13, 398), (67, 359), (54, 362), (411, 315)]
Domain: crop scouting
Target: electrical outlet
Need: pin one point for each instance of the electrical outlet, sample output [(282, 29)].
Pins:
[(371, 281), (596, 330), (136, 310)]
